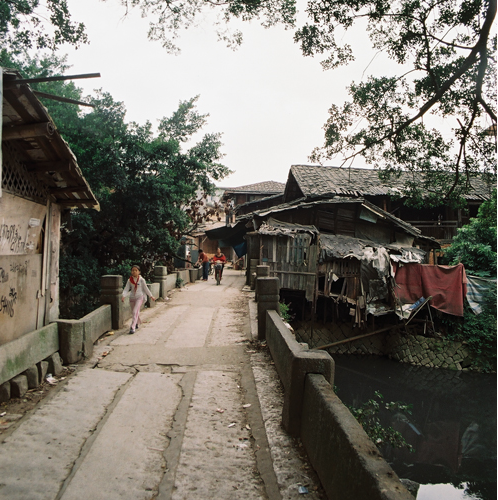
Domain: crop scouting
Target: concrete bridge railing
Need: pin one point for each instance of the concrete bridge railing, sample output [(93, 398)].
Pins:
[(349, 465), (24, 362)]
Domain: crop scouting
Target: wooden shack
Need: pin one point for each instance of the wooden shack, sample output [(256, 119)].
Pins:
[(350, 265), (290, 250)]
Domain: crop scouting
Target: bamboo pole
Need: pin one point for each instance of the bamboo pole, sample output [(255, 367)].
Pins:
[(357, 337)]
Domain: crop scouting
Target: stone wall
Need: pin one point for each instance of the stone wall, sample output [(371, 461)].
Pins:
[(429, 352), (395, 344), (22, 353)]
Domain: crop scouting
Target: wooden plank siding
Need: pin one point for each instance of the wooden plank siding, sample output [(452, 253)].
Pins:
[(346, 218), (292, 259)]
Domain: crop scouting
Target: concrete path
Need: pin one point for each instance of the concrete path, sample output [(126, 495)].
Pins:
[(186, 408)]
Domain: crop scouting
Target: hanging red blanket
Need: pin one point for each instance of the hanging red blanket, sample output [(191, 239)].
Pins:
[(446, 284)]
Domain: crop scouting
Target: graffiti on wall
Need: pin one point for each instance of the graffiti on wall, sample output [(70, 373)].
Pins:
[(8, 299), (11, 238), (7, 303)]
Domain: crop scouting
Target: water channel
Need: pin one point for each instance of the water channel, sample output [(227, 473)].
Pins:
[(452, 427)]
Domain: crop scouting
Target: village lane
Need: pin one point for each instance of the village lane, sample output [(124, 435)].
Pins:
[(189, 407)]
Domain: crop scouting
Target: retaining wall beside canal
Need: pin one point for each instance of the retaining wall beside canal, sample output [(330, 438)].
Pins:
[(348, 464)]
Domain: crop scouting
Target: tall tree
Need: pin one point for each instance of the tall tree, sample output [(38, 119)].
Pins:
[(149, 184), (445, 51), (38, 24), (144, 183)]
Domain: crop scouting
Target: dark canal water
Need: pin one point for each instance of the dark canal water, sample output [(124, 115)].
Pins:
[(452, 427)]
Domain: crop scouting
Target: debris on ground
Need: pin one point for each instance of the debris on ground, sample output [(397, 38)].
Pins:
[(51, 380), (15, 408)]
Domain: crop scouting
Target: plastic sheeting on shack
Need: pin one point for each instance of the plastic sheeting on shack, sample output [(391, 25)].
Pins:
[(477, 287)]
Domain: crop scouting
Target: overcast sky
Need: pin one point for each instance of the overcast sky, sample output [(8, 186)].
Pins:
[(269, 102)]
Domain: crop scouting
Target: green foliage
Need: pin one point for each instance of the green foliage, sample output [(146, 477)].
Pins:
[(478, 331), (475, 244), (285, 312), (368, 416), (475, 247), (445, 57), (446, 70), (144, 182), (168, 18), (35, 24), (179, 282)]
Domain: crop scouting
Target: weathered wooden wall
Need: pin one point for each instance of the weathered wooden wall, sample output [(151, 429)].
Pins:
[(292, 259)]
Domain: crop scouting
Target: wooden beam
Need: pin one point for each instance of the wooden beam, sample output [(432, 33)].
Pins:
[(50, 166), (10, 83), (357, 337), (62, 99), (28, 131), (293, 272), (65, 190), (75, 202)]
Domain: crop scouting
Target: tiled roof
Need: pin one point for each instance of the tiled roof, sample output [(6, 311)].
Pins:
[(324, 181), (267, 187)]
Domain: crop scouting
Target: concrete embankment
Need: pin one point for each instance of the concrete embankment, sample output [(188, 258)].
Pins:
[(347, 462)]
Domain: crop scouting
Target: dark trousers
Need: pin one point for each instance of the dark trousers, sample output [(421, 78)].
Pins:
[(205, 270)]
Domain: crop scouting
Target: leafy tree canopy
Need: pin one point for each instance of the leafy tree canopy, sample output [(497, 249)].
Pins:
[(445, 51), (148, 183), (38, 24), (144, 182), (475, 244)]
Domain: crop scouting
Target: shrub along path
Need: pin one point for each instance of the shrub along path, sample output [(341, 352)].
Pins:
[(186, 408)]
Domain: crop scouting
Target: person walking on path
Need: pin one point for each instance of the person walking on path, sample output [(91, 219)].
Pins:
[(204, 260), (219, 257), (137, 289)]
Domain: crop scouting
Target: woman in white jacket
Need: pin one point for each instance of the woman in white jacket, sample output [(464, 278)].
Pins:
[(137, 289)]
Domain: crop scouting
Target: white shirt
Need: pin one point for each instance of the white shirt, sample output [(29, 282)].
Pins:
[(142, 289)]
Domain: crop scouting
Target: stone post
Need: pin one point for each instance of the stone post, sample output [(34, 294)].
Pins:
[(261, 272), (160, 276), (251, 273), (111, 288), (268, 300)]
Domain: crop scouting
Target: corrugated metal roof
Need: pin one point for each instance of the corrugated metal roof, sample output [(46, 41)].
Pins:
[(328, 181), (337, 246)]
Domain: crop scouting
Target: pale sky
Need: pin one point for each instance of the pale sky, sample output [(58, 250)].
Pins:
[(269, 102)]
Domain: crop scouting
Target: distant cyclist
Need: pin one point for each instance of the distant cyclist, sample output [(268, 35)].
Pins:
[(219, 257)]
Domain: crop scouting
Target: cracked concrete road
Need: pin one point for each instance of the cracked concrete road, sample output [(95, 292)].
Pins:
[(186, 408)]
